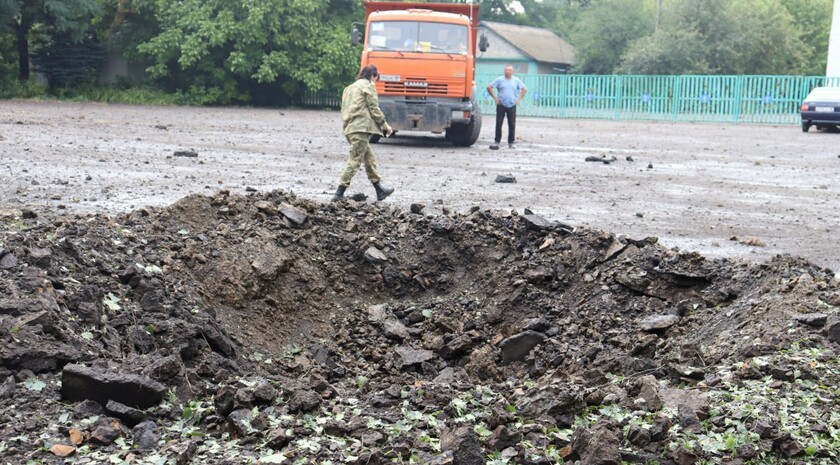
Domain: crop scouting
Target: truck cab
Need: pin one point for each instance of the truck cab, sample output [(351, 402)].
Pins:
[(425, 53)]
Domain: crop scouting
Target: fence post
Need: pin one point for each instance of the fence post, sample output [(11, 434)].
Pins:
[(565, 90), (618, 95), (739, 94), (675, 106)]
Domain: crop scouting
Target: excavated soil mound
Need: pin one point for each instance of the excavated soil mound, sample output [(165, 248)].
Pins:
[(274, 329)]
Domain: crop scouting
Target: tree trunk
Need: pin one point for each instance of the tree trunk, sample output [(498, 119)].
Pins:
[(22, 37)]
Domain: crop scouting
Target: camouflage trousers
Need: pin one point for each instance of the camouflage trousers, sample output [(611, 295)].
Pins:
[(360, 153)]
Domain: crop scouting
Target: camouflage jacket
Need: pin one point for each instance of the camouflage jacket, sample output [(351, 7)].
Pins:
[(360, 109)]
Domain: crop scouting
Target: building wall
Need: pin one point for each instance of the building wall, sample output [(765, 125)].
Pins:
[(551, 68), (499, 47), (497, 67), (501, 53)]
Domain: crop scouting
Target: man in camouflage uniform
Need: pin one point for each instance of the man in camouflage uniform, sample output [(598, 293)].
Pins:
[(361, 117)]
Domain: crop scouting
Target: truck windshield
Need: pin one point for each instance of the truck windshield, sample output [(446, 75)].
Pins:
[(413, 36)]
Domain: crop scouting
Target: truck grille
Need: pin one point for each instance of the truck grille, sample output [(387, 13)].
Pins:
[(430, 88)]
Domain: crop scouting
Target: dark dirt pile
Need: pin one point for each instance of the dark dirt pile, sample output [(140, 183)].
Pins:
[(273, 329)]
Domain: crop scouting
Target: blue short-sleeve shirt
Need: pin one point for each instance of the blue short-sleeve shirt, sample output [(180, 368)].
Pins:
[(507, 89)]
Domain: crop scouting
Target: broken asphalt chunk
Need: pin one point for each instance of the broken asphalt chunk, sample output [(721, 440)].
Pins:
[(464, 445), (145, 435), (8, 261), (375, 256), (294, 214), (410, 356), (395, 330), (7, 388), (537, 222), (517, 347), (658, 323), (79, 382), (812, 319), (130, 416), (266, 207), (597, 444), (185, 153)]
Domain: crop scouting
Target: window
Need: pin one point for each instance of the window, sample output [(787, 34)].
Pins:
[(412, 36)]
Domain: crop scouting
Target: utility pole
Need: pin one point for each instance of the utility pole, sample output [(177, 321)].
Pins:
[(832, 68)]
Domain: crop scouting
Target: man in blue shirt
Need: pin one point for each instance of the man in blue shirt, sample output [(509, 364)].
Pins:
[(509, 90)]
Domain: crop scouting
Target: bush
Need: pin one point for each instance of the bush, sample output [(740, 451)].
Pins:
[(12, 87), (118, 94)]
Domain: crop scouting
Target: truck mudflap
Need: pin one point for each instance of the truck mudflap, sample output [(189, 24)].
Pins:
[(424, 115)]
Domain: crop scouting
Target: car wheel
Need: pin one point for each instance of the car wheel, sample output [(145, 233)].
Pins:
[(805, 126), (374, 139)]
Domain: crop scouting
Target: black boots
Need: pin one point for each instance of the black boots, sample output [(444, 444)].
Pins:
[(382, 192), (339, 193)]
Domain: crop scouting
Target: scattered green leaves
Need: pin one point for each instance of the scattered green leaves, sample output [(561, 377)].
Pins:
[(34, 384), (112, 302)]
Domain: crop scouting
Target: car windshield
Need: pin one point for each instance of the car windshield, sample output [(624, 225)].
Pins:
[(414, 36), (825, 93)]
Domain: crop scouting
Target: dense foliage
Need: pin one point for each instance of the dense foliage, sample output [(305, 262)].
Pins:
[(262, 51), (697, 36), (268, 52)]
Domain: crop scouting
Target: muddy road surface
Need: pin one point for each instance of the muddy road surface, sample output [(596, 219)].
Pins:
[(748, 191)]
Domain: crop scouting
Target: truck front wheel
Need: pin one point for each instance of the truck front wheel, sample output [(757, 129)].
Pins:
[(466, 135)]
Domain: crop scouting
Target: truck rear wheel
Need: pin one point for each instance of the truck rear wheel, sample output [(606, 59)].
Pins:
[(466, 135)]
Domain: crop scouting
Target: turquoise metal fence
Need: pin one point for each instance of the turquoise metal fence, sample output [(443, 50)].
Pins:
[(726, 99)]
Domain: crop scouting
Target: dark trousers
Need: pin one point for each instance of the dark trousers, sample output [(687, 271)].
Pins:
[(501, 112)]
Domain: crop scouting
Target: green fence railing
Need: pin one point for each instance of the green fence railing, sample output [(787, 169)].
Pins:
[(725, 99), (728, 99)]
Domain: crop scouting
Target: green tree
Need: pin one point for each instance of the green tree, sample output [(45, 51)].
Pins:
[(218, 51), (536, 13), (539, 13), (497, 10), (767, 39), (566, 18), (68, 62), (812, 20), (72, 18), (601, 36), (718, 37), (124, 27)]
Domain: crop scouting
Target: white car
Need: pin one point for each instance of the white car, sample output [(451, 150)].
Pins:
[(821, 108)]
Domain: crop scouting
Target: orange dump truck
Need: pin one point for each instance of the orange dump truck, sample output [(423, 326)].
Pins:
[(425, 53)]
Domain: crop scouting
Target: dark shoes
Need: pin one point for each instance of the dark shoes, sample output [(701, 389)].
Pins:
[(382, 192), (339, 194), (495, 146)]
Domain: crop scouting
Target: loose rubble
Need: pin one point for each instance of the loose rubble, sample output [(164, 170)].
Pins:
[(269, 328)]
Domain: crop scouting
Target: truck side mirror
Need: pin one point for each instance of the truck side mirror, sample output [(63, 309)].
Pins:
[(483, 43), (354, 36)]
